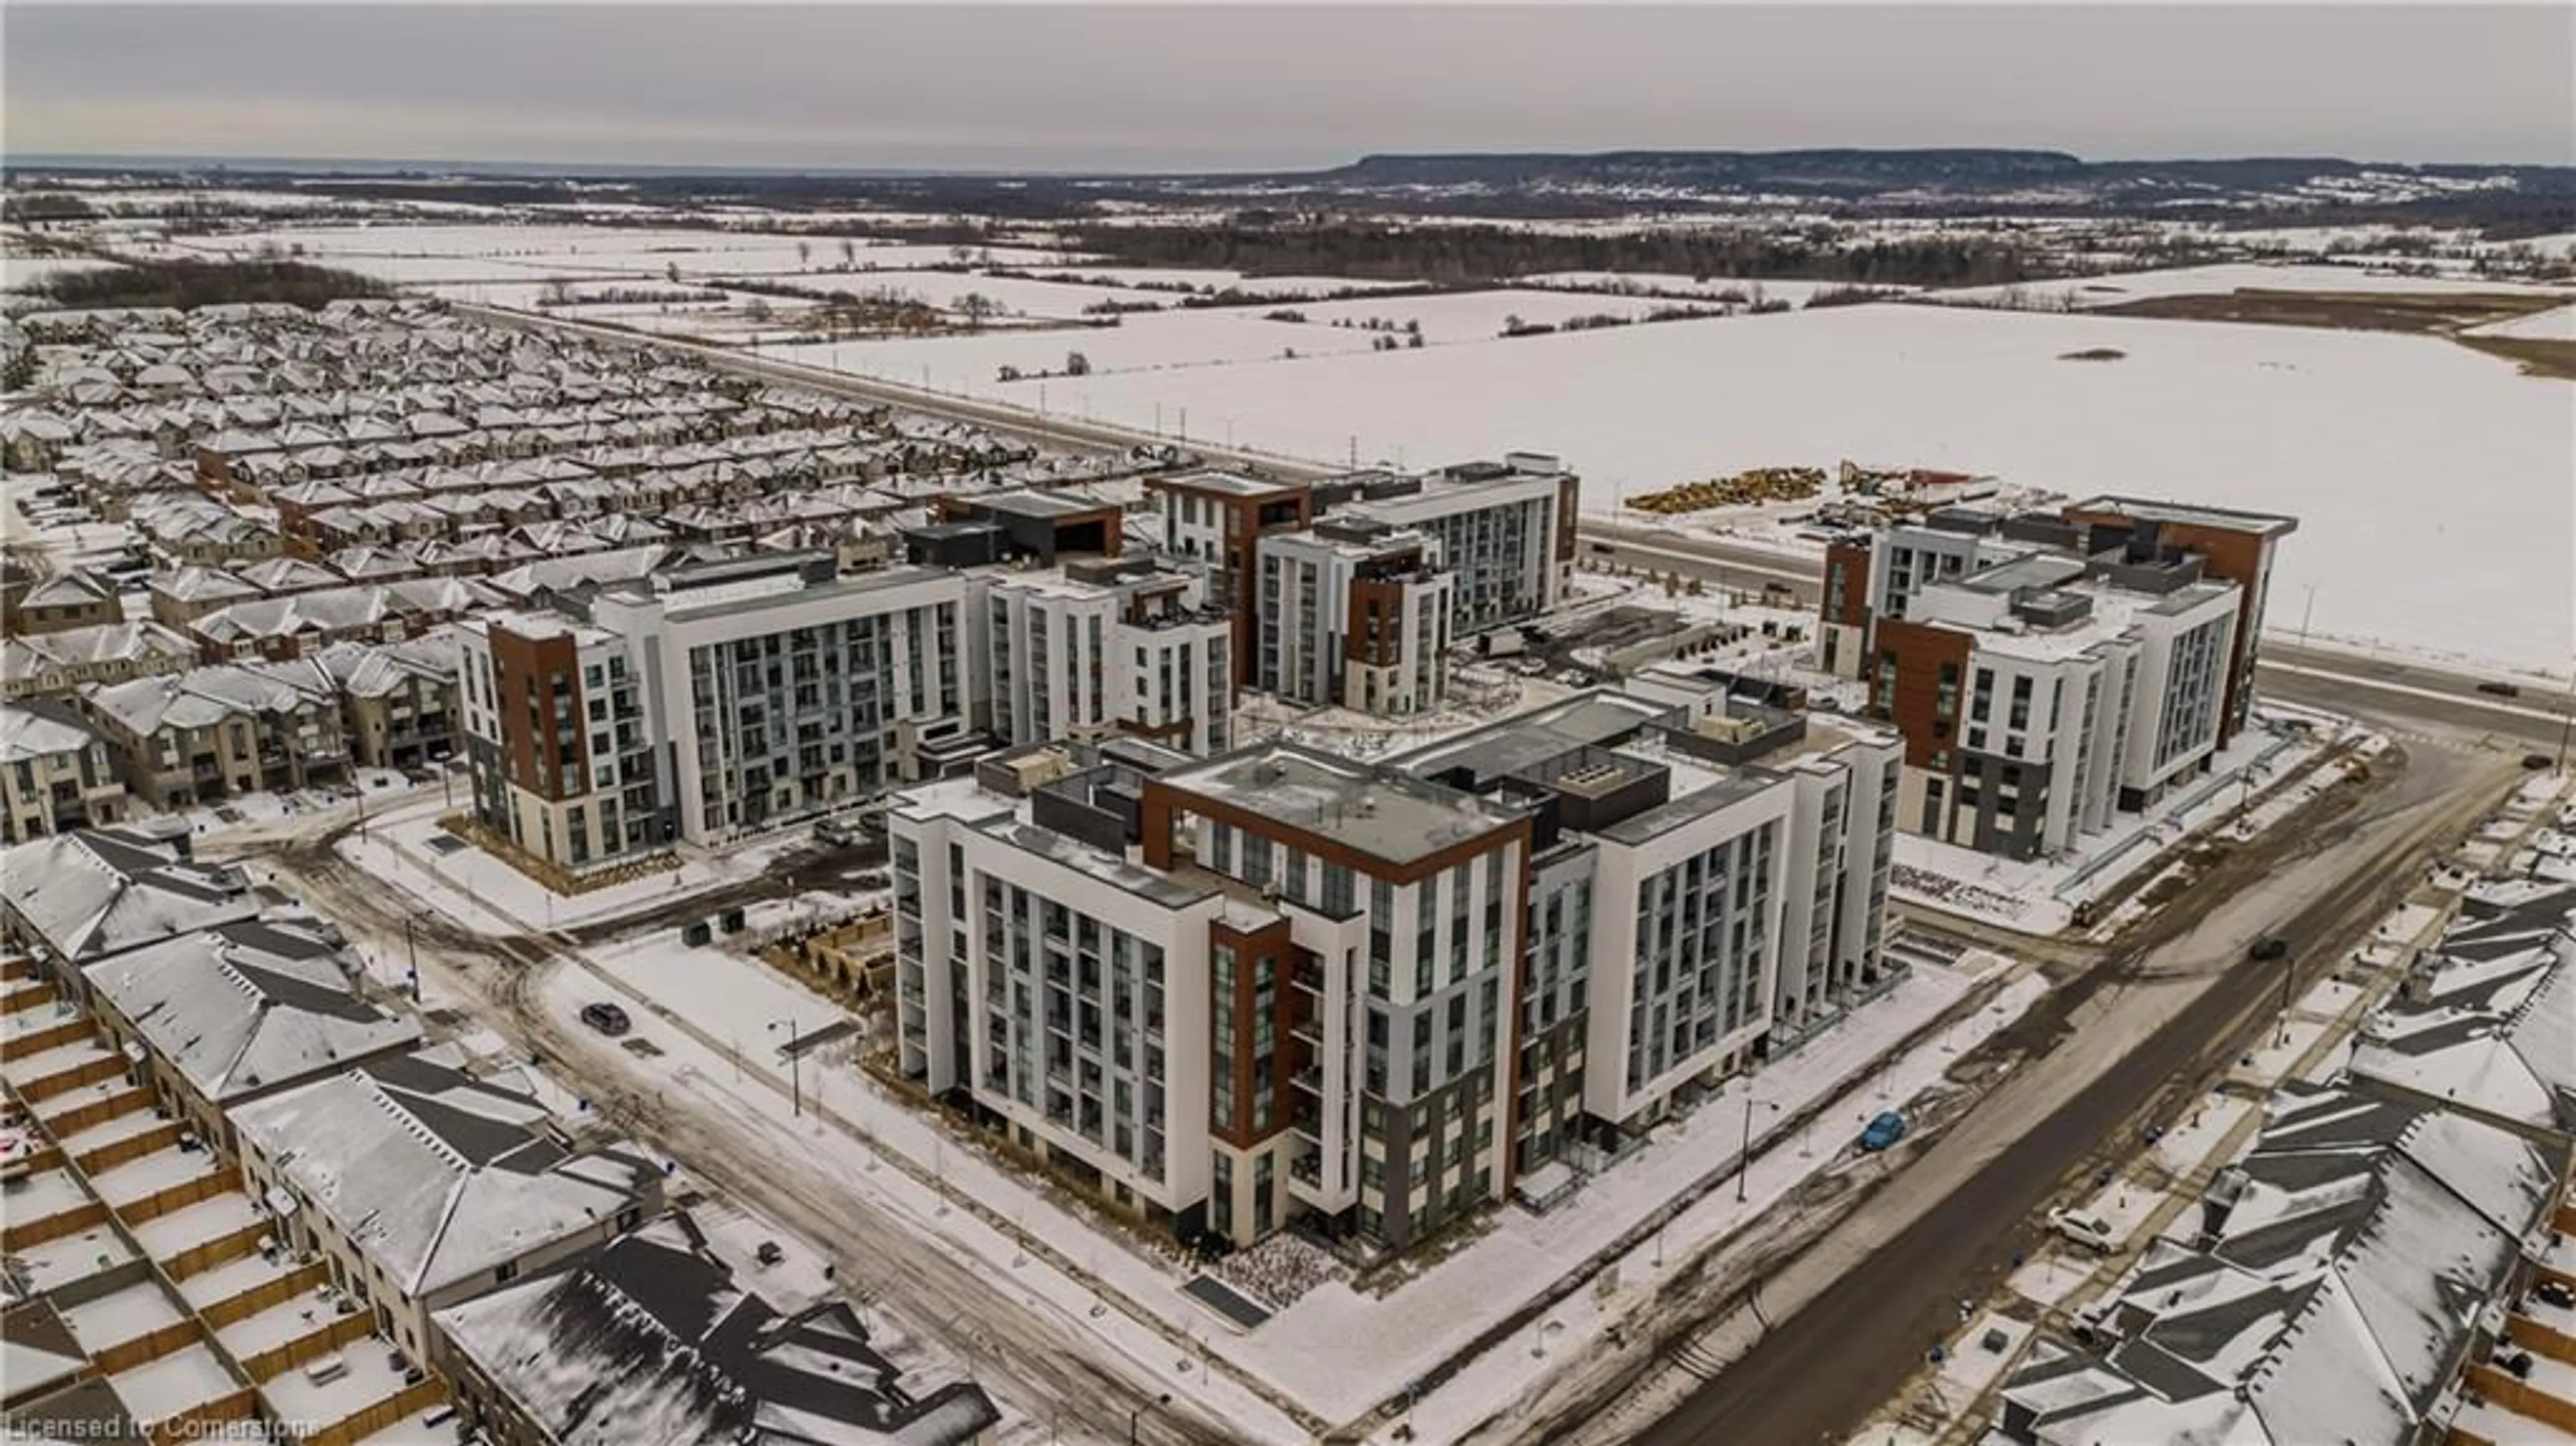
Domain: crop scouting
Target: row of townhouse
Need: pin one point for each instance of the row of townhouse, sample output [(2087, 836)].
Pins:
[(1228, 993), (2393, 1260), (228, 729), (2051, 669), (241, 1192)]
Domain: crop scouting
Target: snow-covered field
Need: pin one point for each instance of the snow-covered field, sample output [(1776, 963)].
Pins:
[(1673, 283), (2430, 481), (17, 273), (1477, 315), (2098, 291), (1160, 342), (2558, 324), (498, 253)]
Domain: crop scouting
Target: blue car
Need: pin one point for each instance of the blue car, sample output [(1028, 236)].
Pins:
[(1884, 1131)]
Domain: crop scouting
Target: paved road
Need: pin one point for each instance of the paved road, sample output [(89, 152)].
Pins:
[(1881, 1287), (2406, 692)]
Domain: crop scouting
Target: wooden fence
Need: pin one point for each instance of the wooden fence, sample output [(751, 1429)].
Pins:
[(276, 1290), (207, 1254), (87, 1072), (20, 1234), (173, 1197), (132, 1147), (2521, 1396), (321, 1341), (198, 1423), (150, 1346), (420, 1395), (97, 1112), (37, 1041)]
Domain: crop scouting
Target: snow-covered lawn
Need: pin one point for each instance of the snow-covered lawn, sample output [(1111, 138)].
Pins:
[(2344, 430)]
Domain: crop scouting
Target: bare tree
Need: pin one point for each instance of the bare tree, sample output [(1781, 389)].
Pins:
[(804, 255), (977, 308)]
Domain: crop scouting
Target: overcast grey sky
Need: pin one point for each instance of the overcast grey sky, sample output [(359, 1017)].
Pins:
[(1233, 85)]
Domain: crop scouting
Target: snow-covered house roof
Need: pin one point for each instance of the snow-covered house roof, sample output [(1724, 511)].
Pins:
[(437, 1176), (250, 1007), (2487, 1023), (99, 892), (652, 1341), (2332, 1293), (38, 729)]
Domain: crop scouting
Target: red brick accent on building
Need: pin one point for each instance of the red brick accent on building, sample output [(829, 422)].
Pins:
[(523, 673), (1919, 650), (1851, 559)]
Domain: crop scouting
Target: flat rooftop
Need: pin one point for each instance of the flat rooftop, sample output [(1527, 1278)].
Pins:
[(1380, 811), (2149, 509), (1231, 484), (1500, 749)]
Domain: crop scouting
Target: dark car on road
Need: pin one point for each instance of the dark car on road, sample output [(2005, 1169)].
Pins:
[(2500, 689), (2267, 949), (606, 1018)]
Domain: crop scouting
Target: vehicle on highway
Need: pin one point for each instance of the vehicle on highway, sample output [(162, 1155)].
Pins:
[(1883, 1131), (2090, 1231), (1603, 548), (2500, 689), (607, 1018), (2267, 949), (2536, 761)]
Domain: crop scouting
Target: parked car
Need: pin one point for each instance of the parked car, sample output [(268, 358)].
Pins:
[(1883, 1131), (2537, 761), (605, 1017), (835, 833), (2090, 1231), (2267, 949), (2500, 689)]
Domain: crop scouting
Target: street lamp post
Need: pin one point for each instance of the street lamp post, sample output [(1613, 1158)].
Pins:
[(795, 1088), (1138, 1414), (1744, 1153), (411, 950), (2307, 614)]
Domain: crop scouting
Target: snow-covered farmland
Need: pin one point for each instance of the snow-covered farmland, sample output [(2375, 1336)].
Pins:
[(1156, 341), (1210, 280), (498, 253), (1476, 315), (2557, 324), (2089, 292), (17, 273), (1667, 283), (2430, 481)]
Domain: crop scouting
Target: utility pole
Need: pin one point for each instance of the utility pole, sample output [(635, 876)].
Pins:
[(411, 948), (2307, 613)]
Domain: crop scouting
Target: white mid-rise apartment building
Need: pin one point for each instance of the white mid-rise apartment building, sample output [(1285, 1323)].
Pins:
[(1127, 645), (1226, 992), (1506, 529), (2050, 669), (710, 702), (1355, 612)]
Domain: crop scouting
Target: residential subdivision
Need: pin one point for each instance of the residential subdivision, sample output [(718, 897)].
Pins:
[(2389, 1261), (2050, 669), (1280, 984)]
